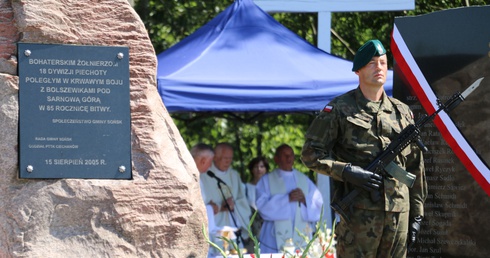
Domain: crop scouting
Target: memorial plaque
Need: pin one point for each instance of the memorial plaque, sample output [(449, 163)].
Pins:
[(444, 52), (74, 114)]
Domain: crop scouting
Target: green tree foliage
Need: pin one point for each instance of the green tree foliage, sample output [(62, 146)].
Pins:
[(169, 21), (351, 29)]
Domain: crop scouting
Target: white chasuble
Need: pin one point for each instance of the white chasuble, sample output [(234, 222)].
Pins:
[(286, 229)]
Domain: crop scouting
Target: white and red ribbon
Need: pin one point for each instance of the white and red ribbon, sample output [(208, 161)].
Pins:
[(460, 146)]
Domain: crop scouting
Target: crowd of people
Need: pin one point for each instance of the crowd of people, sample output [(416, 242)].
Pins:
[(287, 202), (384, 218)]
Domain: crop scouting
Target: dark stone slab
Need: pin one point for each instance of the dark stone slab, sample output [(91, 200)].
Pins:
[(452, 50), (74, 115)]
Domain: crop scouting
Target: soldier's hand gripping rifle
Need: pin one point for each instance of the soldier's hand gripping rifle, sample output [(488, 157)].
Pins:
[(384, 161)]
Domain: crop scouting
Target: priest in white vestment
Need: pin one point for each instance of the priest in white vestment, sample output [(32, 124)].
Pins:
[(232, 189), (203, 155), (288, 201)]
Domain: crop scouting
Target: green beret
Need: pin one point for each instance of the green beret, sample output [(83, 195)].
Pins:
[(366, 52)]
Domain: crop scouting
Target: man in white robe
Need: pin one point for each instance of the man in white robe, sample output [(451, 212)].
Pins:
[(227, 196), (203, 155), (288, 201)]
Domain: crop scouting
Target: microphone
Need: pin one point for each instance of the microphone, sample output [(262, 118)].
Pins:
[(211, 174)]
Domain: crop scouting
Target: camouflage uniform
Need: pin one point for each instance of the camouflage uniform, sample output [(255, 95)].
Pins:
[(352, 129)]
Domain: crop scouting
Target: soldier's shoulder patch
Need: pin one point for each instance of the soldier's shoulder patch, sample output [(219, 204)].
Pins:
[(327, 108)]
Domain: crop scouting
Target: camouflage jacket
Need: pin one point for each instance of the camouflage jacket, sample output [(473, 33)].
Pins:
[(352, 129)]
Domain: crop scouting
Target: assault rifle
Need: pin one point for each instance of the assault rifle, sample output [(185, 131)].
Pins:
[(384, 161)]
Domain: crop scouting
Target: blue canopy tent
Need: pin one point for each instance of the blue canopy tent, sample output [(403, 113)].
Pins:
[(245, 61)]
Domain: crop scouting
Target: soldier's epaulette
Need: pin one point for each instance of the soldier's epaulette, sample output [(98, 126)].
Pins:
[(347, 104), (342, 103)]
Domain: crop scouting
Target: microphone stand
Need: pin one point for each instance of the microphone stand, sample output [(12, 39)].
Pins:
[(239, 231)]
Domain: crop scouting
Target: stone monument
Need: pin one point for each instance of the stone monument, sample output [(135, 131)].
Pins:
[(158, 212)]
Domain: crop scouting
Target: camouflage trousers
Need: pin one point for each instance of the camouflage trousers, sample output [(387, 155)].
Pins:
[(373, 234)]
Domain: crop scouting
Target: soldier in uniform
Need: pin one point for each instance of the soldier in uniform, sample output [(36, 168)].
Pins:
[(344, 138)]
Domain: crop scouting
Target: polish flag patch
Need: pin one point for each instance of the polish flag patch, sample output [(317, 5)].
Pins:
[(327, 108)]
